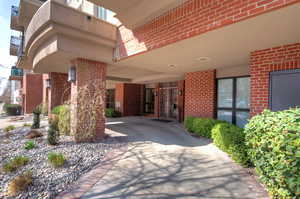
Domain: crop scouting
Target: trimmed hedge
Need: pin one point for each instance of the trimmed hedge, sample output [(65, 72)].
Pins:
[(273, 139), (110, 112), (12, 109), (201, 126), (231, 139)]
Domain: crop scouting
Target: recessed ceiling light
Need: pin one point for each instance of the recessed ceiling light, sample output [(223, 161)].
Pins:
[(202, 59), (172, 65)]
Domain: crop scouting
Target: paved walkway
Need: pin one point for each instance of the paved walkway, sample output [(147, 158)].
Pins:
[(164, 162)]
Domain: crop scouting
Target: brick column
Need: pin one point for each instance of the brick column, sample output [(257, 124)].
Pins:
[(60, 90), (128, 98), (88, 101), (200, 94), (263, 62)]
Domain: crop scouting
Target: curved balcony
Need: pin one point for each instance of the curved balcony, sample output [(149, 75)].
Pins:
[(58, 33), (133, 13)]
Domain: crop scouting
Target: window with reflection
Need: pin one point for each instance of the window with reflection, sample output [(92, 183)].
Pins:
[(233, 103)]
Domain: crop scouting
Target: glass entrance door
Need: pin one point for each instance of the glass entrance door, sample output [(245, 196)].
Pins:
[(168, 106)]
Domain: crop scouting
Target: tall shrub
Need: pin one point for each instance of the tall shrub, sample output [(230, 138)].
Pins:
[(64, 122), (203, 126), (273, 139), (188, 123)]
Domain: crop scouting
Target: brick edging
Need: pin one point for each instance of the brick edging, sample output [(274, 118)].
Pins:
[(88, 180)]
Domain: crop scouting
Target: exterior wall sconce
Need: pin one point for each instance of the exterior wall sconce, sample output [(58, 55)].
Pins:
[(72, 74), (155, 93), (48, 83), (180, 92)]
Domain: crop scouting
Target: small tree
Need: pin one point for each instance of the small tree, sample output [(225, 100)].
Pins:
[(36, 117)]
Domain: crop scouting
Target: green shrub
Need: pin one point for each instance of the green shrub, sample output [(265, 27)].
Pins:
[(273, 139), (110, 112), (9, 128), (56, 159), (53, 134), (30, 145), (56, 110), (64, 122), (231, 139), (188, 123), (12, 109), (203, 126), (15, 163)]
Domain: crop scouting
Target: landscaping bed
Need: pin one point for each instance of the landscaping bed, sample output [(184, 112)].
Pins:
[(47, 180)]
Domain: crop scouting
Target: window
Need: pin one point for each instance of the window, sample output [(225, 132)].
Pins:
[(110, 98), (102, 13), (234, 100), (149, 100)]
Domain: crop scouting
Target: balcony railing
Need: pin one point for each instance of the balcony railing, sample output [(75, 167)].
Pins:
[(16, 72), (14, 11), (15, 43)]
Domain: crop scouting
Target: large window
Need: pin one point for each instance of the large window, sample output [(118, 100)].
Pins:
[(234, 100), (102, 13)]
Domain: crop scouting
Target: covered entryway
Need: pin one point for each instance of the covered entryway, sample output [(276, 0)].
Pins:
[(284, 89), (164, 162)]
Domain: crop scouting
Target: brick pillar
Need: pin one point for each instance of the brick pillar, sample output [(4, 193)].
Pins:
[(88, 101), (128, 98), (32, 91), (200, 94), (263, 62), (60, 90)]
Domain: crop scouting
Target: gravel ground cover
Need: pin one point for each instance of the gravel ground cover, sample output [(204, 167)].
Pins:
[(47, 180)]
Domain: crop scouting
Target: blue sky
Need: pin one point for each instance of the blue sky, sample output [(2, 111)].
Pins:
[(5, 33)]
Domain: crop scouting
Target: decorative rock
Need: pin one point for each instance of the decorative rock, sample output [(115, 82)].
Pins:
[(33, 134)]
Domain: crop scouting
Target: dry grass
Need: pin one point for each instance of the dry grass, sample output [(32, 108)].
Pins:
[(15, 163), (19, 184)]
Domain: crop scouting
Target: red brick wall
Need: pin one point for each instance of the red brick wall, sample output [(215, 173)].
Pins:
[(200, 94), (88, 95), (129, 97), (60, 89), (33, 91), (194, 17), (262, 63)]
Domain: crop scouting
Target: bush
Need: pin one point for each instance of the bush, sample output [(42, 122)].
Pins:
[(188, 123), (9, 128), (19, 183), (56, 159), (273, 139), (231, 139), (64, 122), (110, 112), (56, 110), (15, 163), (30, 145), (36, 117), (12, 109), (203, 126), (53, 135)]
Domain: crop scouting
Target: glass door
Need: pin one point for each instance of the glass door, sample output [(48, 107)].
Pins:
[(168, 106)]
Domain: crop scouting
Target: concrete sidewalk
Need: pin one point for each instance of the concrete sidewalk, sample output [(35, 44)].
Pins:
[(164, 162)]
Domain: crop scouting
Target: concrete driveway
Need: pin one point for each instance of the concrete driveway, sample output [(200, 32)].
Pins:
[(163, 161)]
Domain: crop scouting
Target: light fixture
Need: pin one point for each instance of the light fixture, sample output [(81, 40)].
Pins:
[(180, 92), (72, 74), (202, 59), (172, 65), (48, 83)]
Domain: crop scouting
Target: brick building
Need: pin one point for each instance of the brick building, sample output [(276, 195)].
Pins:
[(176, 58)]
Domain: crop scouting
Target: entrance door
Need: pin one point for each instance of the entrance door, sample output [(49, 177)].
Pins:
[(168, 103), (284, 90)]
